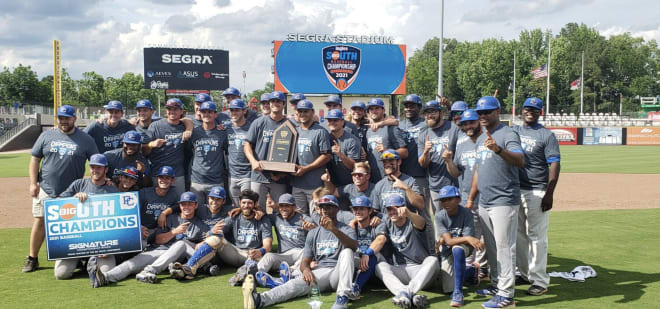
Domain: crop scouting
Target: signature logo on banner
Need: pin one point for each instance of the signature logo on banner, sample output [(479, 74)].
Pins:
[(341, 64)]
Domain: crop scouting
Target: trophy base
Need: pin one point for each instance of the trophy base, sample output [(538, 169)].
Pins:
[(278, 166)]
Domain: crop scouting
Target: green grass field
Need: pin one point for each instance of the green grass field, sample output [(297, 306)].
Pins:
[(620, 245)]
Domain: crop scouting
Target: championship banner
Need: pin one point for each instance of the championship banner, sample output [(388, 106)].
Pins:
[(566, 136), (103, 224)]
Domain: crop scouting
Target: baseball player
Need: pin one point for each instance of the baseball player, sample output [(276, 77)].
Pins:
[(264, 105), (411, 266), (129, 155), (64, 149), (331, 245), (145, 116), (457, 109), (127, 180), (313, 152), (346, 149), (239, 165), (496, 179), (357, 117), (256, 148), (108, 134), (538, 179), (231, 94), (360, 185), (197, 115), (333, 102), (293, 104), (82, 188), (381, 138), (454, 223), (209, 147)]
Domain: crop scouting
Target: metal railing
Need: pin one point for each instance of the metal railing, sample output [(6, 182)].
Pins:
[(13, 131)]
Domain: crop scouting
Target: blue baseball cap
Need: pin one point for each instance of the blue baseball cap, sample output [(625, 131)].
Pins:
[(132, 137), (335, 114), (304, 104), (333, 98), (265, 97), (114, 104), (376, 102), (359, 104), (129, 171), (412, 98), (459, 106), (533, 103), (231, 91), (297, 97), (66, 111), (390, 154), (432, 105), (276, 95), (469, 114), (394, 200), (286, 198), (202, 97), (98, 159), (165, 171), (329, 200), (449, 191), (361, 201), (487, 103), (188, 197), (237, 103), (144, 104), (218, 192), (174, 102), (209, 106)]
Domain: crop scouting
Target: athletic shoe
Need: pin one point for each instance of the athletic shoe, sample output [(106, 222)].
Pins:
[(489, 291), (251, 298), (340, 303), (402, 300), (285, 272), (456, 299), (214, 270), (499, 302), (354, 294), (521, 281), (175, 271), (146, 277), (31, 264), (536, 290), (473, 278), (266, 280), (96, 277), (187, 272), (483, 272), (419, 301), (251, 267)]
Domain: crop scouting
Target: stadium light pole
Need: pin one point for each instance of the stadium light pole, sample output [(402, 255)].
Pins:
[(441, 47)]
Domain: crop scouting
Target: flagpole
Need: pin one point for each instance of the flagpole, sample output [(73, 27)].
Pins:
[(513, 115), (582, 84), (442, 21), (547, 94)]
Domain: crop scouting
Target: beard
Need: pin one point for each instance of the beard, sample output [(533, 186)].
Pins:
[(431, 122)]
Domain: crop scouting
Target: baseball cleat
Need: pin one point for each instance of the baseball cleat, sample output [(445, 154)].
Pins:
[(483, 272), (472, 275), (31, 264), (251, 298), (214, 270), (266, 280), (456, 299), (146, 277), (285, 272), (420, 301), (521, 281), (96, 277), (402, 300), (536, 290), (489, 291), (499, 302), (340, 303), (354, 294), (175, 271), (239, 276), (251, 267)]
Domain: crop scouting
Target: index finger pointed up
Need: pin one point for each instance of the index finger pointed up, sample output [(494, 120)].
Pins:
[(427, 138)]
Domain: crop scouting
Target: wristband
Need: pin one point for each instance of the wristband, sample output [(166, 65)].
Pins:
[(262, 250), (369, 252), (498, 152)]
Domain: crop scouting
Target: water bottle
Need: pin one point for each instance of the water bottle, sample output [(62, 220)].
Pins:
[(314, 296)]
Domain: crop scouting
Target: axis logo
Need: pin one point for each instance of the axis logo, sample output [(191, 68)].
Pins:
[(341, 64)]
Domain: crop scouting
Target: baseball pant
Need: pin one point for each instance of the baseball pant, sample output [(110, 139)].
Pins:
[(410, 278), (479, 256), (37, 205), (64, 268), (133, 265), (271, 261), (202, 191), (303, 198), (181, 248), (232, 255), (179, 185), (275, 190), (423, 183), (447, 274), (501, 226), (339, 278), (236, 185), (532, 243)]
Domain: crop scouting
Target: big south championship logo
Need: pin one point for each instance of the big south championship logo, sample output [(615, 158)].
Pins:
[(342, 65)]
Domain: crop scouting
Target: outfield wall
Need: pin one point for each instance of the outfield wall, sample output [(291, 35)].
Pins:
[(607, 135)]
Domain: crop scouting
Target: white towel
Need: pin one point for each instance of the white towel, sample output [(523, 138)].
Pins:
[(577, 274)]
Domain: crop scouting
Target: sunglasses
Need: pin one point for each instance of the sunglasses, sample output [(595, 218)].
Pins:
[(389, 155), (485, 112), (326, 201), (359, 174), (456, 113)]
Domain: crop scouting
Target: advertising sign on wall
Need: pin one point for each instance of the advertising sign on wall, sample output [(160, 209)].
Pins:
[(566, 136), (643, 136), (186, 68), (602, 136)]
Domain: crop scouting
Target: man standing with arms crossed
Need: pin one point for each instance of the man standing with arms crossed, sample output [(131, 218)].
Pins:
[(538, 179), (496, 179), (239, 165), (64, 152)]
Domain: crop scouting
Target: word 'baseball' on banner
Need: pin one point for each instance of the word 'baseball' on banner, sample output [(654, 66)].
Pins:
[(103, 224)]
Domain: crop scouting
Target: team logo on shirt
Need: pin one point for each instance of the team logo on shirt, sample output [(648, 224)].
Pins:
[(326, 247), (399, 241), (246, 236), (287, 231), (304, 145), (412, 133), (112, 141), (484, 153), (173, 139), (468, 159), (206, 145), (528, 143), (267, 134), (374, 141), (63, 148)]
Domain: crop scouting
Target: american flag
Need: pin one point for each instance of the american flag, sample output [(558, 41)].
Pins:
[(540, 72)]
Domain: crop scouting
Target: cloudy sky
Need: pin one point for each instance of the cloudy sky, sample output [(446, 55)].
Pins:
[(107, 36)]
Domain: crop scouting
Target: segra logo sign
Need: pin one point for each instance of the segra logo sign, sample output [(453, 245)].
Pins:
[(187, 59)]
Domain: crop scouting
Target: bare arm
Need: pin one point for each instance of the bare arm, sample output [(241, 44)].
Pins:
[(474, 190), (416, 220), (546, 202), (403, 152), (378, 243), (34, 175)]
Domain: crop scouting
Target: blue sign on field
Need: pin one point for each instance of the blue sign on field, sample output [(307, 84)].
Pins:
[(103, 224)]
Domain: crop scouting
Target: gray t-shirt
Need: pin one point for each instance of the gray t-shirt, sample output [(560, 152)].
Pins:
[(365, 236), (324, 247), (408, 243), (541, 148), (290, 233), (410, 129), (460, 225), (391, 138), (444, 136), (239, 165), (350, 191), (311, 144), (106, 137), (343, 216), (384, 188), (210, 219), (144, 131), (172, 152), (208, 162), (64, 157), (350, 146), (223, 118), (116, 162), (247, 234), (194, 233), (465, 159), (498, 181), (86, 186), (259, 136), (151, 205)]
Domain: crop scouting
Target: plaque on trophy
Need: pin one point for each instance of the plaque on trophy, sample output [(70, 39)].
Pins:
[(282, 152)]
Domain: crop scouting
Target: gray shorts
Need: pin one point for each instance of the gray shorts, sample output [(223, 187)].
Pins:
[(38, 205)]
